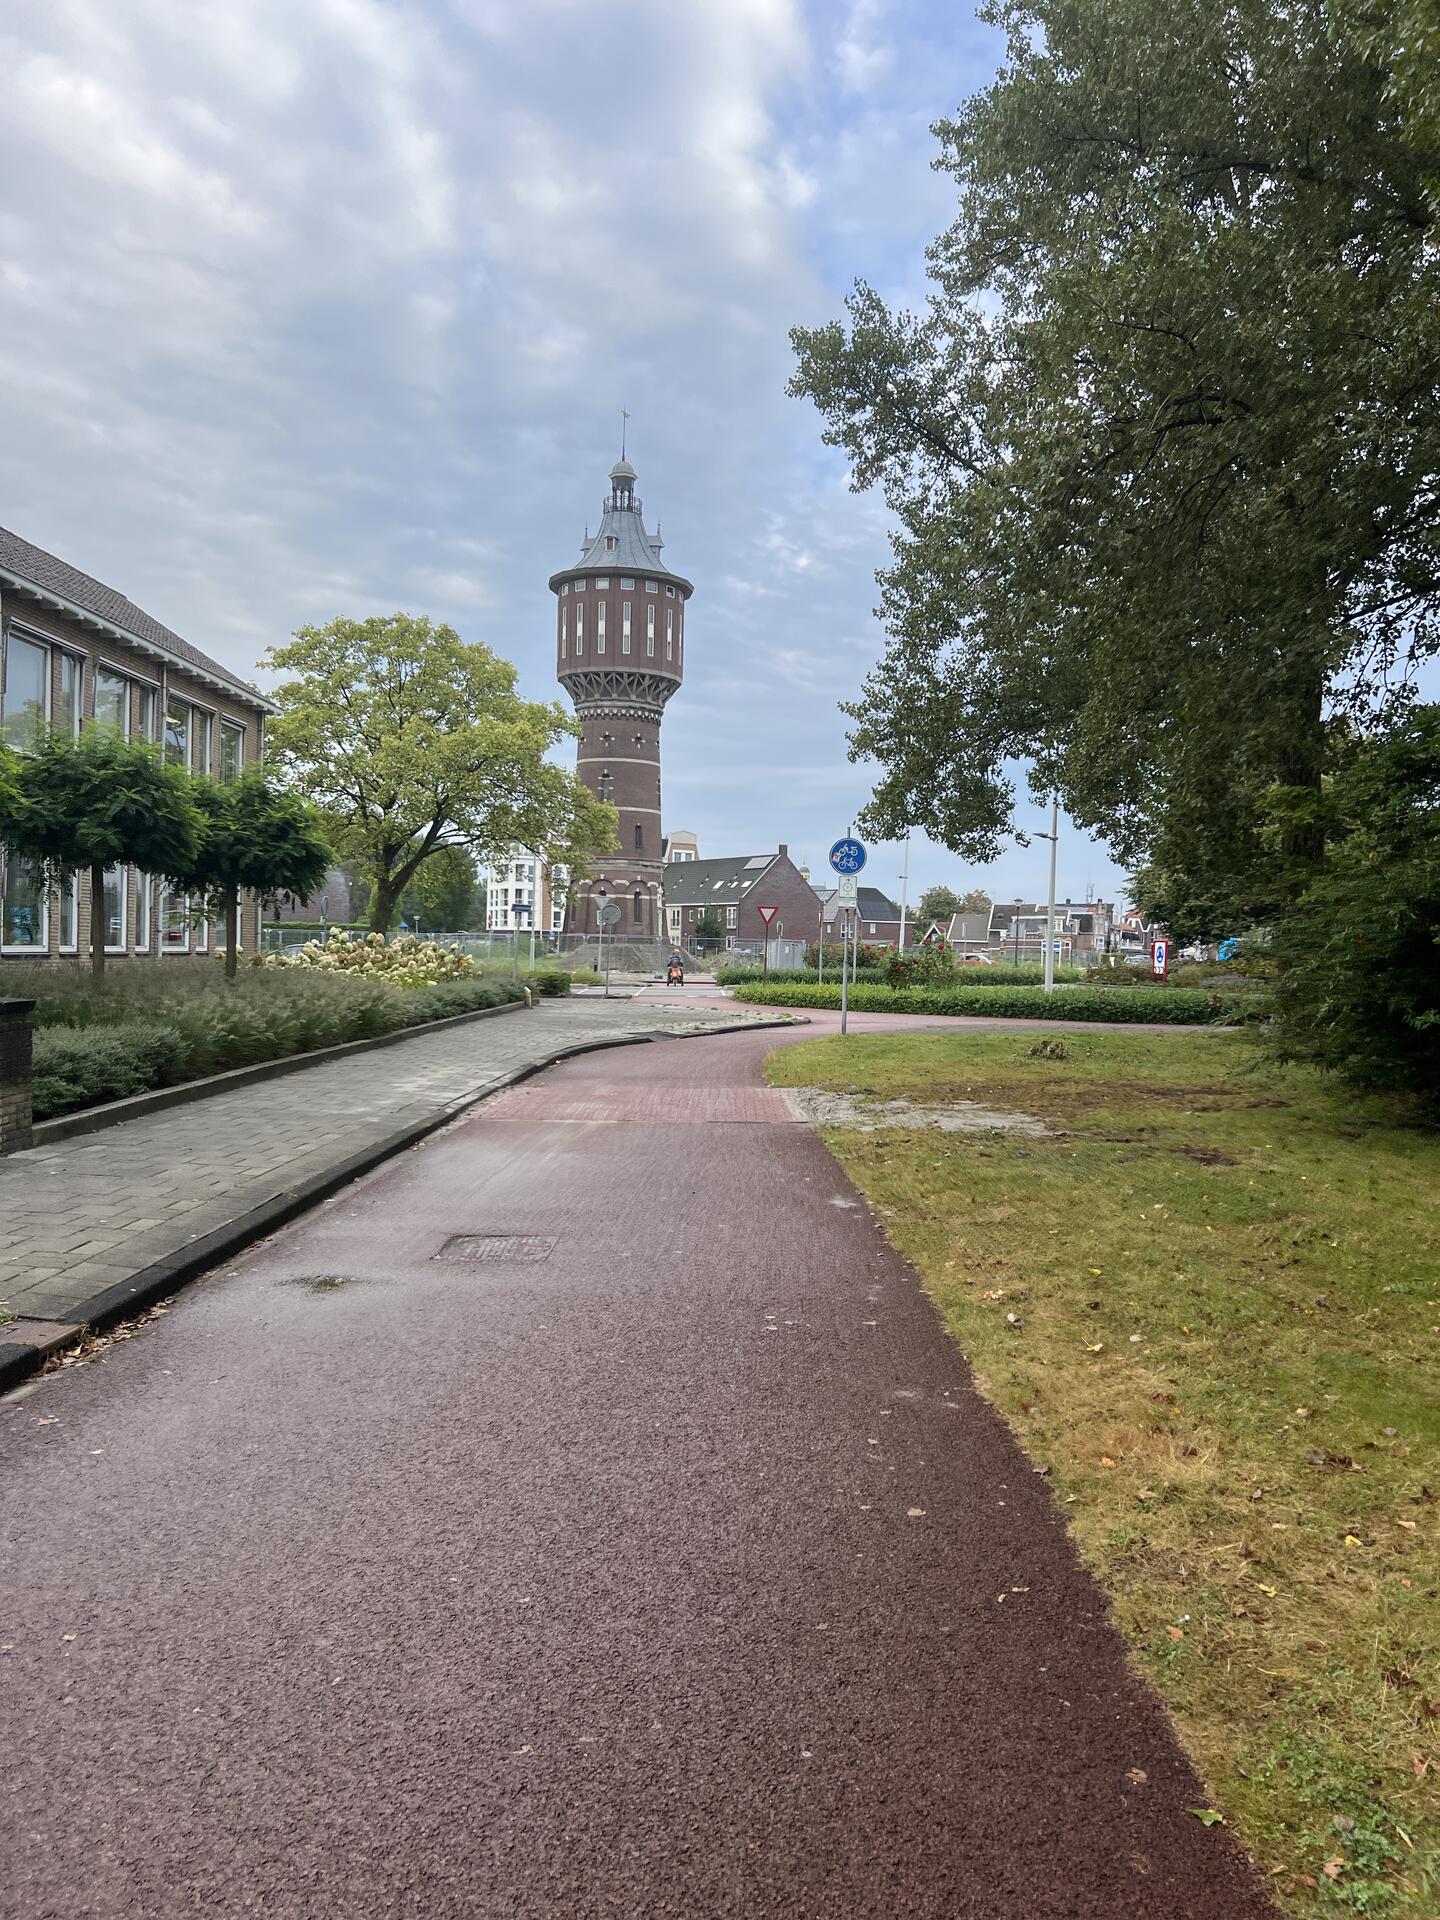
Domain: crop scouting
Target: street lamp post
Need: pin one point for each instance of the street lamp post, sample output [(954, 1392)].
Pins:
[(1054, 838), (904, 894)]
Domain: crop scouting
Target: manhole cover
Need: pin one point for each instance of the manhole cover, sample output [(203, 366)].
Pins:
[(498, 1246)]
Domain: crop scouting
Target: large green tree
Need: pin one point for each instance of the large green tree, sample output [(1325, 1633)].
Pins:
[(256, 838), (937, 903), (444, 891), (1163, 446), (82, 806), (412, 740)]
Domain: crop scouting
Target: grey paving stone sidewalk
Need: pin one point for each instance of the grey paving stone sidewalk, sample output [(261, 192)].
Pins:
[(81, 1215)]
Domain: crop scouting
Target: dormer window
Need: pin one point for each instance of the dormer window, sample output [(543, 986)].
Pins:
[(611, 543)]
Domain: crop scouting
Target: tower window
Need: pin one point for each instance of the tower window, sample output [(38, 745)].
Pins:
[(563, 635), (670, 593), (669, 633), (600, 628), (611, 543), (579, 631), (640, 842), (638, 907), (603, 580), (579, 586), (639, 740), (629, 585), (607, 739), (607, 785), (625, 626), (650, 632), (564, 586), (652, 586)]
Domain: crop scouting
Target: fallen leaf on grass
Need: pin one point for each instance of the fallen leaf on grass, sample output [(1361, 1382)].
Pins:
[(915, 1513), (1208, 1817), (1352, 1540), (1409, 1525), (1137, 1776), (1176, 1633), (1099, 1347), (1106, 1461), (1270, 1591), (1333, 1869)]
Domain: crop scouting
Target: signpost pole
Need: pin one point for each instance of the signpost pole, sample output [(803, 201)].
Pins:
[(1050, 916), (820, 949), (844, 984)]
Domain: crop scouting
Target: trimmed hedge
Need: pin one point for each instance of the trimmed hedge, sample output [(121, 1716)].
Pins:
[(551, 983), (78, 1066), (159, 1025), (1162, 1006), (742, 973)]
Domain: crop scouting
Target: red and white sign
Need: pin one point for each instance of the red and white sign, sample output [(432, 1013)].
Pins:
[(767, 914)]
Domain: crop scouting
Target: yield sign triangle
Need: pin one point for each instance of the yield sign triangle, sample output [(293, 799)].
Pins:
[(767, 914)]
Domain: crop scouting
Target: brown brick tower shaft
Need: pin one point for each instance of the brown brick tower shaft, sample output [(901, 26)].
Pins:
[(620, 655)]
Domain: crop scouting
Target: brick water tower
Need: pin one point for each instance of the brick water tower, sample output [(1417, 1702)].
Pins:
[(620, 654)]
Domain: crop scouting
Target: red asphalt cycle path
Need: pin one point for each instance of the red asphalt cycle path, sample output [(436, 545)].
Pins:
[(653, 1558)]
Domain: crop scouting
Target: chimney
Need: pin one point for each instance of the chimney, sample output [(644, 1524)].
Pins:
[(784, 851)]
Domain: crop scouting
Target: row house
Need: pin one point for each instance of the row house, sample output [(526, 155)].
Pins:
[(736, 889), (74, 652)]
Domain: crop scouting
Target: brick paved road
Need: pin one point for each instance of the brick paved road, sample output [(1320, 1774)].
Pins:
[(80, 1215)]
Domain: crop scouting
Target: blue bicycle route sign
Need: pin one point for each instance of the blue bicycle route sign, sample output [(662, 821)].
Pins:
[(847, 856)]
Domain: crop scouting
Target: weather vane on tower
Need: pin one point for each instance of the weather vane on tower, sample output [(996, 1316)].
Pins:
[(624, 424)]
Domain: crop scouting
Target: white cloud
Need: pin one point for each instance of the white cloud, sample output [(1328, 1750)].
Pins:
[(332, 308)]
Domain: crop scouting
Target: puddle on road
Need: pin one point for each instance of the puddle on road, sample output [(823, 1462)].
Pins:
[(822, 1108)]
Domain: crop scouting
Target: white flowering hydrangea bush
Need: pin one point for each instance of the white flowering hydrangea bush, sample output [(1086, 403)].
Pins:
[(405, 961)]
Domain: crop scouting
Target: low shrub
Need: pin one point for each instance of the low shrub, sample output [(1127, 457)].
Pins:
[(78, 1066), (742, 972), (90, 1046), (551, 983), (1164, 1006)]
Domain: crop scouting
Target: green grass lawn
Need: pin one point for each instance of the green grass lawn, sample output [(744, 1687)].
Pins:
[(1227, 1279)]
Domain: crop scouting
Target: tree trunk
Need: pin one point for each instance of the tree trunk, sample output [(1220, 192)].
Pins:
[(1302, 764), (232, 932), (97, 926), (383, 902)]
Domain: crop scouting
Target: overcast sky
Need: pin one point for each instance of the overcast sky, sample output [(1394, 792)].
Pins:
[(319, 307)]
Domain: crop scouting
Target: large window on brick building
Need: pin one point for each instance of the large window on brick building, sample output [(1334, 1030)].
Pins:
[(112, 701), (638, 907), (114, 909), (650, 632), (174, 923), (177, 734), (232, 751), (639, 838), (66, 718), (625, 627), (27, 690), (23, 913)]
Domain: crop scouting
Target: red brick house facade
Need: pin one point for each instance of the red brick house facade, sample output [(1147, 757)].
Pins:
[(620, 655), (737, 889), (73, 652)]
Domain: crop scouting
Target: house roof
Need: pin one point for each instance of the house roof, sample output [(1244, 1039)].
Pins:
[(968, 929), (39, 575), (872, 904), (719, 883)]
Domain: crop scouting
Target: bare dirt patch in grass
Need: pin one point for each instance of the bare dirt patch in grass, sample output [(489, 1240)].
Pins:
[(1227, 1360), (825, 1107)]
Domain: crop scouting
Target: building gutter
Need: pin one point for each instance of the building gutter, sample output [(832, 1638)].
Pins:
[(27, 589)]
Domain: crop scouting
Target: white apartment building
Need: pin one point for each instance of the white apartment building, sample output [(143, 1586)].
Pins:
[(519, 895)]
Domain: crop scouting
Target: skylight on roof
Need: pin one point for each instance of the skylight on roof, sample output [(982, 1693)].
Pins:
[(760, 860)]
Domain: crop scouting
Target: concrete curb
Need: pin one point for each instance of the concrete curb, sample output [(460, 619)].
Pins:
[(162, 1277), (65, 1126)]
